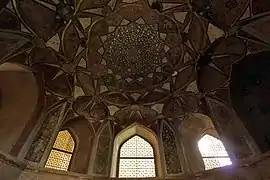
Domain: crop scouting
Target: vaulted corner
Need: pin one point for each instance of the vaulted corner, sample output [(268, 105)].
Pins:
[(118, 89)]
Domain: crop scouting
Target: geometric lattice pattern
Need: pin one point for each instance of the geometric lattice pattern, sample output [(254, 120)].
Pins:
[(64, 141), (61, 153), (69, 43), (136, 159), (58, 160), (129, 61), (213, 152)]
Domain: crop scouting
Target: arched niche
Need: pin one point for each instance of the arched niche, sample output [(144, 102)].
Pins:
[(191, 129), (21, 103), (83, 134), (127, 133)]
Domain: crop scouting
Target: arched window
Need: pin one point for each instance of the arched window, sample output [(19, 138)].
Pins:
[(147, 142), (61, 152), (136, 159), (213, 152)]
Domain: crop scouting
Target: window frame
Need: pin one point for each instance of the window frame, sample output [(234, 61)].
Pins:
[(118, 157), (144, 132), (70, 131), (212, 132)]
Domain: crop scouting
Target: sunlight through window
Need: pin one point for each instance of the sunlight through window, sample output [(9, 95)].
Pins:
[(61, 153), (136, 159), (213, 152)]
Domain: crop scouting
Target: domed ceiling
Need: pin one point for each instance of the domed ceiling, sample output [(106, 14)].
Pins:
[(133, 60)]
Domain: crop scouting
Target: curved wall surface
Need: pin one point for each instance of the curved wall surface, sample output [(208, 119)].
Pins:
[(19, 102)]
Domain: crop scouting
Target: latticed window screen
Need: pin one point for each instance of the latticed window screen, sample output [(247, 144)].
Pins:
[(61, 152), (136, 159), (213, 152)]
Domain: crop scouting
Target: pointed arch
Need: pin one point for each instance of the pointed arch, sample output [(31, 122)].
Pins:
[(62, 151), (101, 162), (136, 159), (170, 150), (190, 131), (83, 135), (213, 152), (143, 132)]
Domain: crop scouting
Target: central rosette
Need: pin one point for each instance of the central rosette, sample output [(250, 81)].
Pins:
[(133, 50)]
